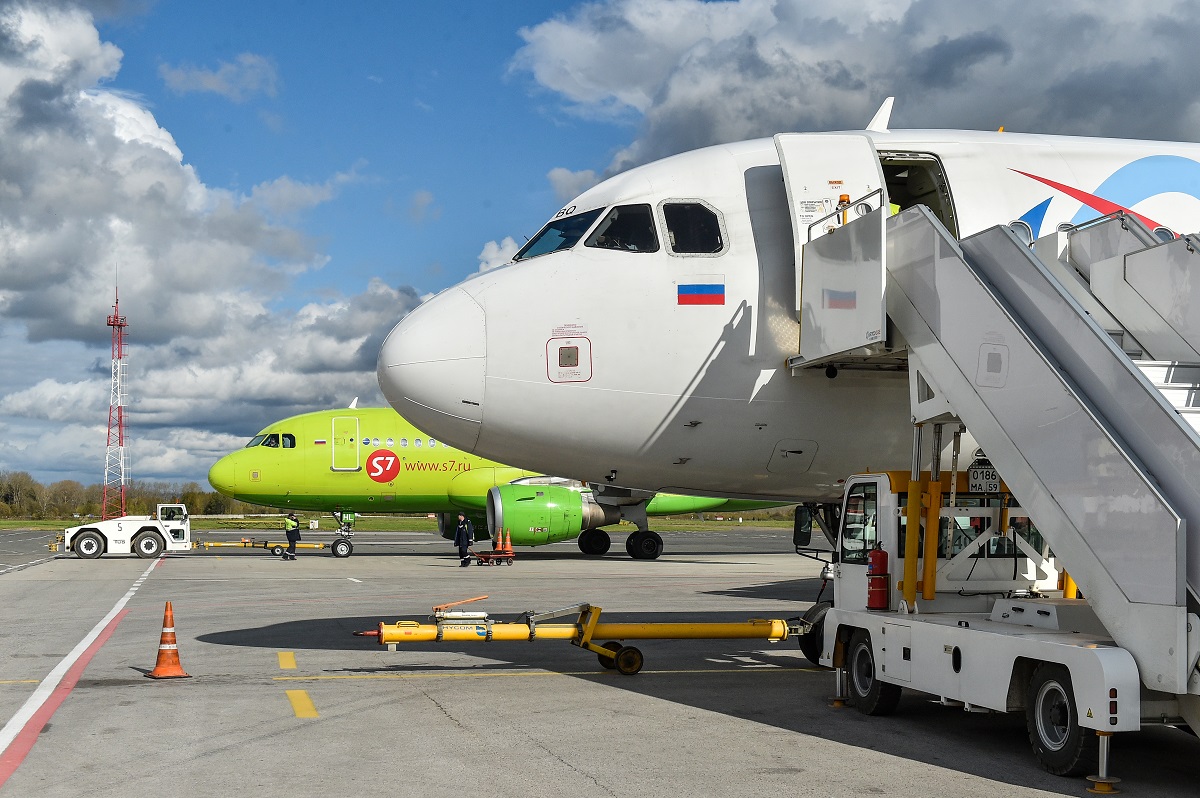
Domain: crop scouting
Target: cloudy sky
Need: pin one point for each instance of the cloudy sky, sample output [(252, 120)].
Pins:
[(273, 184)]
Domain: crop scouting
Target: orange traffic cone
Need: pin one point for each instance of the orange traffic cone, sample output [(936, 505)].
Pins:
[(507, 542), (167, 666)]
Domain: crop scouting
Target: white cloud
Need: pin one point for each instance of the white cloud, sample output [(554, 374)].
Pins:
[(696, 73), (91, 185), (247, 76), (421, 207), (568, 184), (497, 254)]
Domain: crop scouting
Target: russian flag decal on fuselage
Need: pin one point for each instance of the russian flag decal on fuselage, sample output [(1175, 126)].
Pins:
[(703, 289)]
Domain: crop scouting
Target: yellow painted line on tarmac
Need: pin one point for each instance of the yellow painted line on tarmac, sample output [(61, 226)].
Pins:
[(287, 660), (360, 676), (19, 681), (302, 705)]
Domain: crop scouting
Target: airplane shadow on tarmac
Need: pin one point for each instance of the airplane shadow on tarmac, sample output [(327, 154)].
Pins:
[(781, 689)]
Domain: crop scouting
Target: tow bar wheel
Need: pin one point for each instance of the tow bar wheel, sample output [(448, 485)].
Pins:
[(609, 660), (628, 660)]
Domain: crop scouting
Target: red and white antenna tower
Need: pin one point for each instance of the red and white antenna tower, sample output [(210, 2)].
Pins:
[(115, 460)]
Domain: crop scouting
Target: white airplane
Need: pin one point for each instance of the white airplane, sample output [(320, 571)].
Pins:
[(641, 339)]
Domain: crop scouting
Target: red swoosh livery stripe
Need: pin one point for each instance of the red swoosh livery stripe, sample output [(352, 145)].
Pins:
[(1091, 200)]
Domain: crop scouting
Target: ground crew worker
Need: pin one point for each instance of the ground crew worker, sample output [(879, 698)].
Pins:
[(464, 536), (291, 527)]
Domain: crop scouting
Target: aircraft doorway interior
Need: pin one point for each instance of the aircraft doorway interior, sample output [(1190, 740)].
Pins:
[(918, 179)]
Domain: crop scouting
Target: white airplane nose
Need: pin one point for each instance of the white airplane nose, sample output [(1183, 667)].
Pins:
[(431, 367)]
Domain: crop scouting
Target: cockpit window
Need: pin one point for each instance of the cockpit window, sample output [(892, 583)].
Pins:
[(289, 441), (627, 227), (692, 228), (271, 440), (255, 441), (561, 233)]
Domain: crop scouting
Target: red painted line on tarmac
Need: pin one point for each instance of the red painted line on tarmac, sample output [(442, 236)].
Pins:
[(22, 744)]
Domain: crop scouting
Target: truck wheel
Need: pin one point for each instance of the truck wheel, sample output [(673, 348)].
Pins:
[(871, 696), (341, 548), (1061, 745), (813, 641), (89, 546), (148, 545)]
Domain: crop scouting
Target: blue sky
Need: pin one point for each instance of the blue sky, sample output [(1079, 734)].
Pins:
[(417, 102), (278, 183)]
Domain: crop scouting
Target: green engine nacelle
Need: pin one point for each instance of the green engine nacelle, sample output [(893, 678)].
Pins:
[(537, 514)]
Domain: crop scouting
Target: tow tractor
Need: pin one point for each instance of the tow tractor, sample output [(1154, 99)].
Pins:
[(148, 536)]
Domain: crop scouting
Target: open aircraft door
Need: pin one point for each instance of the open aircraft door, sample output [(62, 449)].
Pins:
[(839, 204), (345, 444)]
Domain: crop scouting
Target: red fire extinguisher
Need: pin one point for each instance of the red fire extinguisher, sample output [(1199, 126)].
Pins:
[(877, 578)]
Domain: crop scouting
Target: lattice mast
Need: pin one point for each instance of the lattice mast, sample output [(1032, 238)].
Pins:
[(116, 462)]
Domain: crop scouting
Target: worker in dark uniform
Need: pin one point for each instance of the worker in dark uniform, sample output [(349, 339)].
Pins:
[(464, 536), (291, 528)]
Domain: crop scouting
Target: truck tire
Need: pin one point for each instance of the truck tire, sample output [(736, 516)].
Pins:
[(88, 545), (1061, 745), (870, 695), (148, 545), (813, 641)]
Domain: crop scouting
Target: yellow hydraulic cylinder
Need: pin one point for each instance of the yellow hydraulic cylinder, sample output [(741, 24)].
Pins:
[(933, 522), (459, 632), (911, 541)]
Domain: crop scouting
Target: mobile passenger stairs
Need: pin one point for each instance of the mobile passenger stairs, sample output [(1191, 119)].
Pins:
[(1069, 360)]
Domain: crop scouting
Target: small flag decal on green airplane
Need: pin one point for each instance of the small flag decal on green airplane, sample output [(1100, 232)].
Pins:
[(319, 441)]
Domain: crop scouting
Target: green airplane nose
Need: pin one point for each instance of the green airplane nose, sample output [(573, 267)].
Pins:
[(222, 476)]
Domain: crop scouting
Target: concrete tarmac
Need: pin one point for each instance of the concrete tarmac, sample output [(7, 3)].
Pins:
[(285, 701)]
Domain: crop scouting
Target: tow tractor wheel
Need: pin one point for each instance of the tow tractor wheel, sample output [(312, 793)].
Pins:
[(277, 550), (644, 545), (341, 548), (594, 542), (871, 696), (1060, 744), (609, 662), (628, 660), (148, 545), (813, 641), (89, 546)]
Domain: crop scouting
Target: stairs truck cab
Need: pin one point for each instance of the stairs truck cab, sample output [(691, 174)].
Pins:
[(148, 536)]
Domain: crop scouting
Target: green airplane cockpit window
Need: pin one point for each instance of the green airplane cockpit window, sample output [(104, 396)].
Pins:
[(271, 440), (255, 441), (289, 441), (628, 228), (560, 233)]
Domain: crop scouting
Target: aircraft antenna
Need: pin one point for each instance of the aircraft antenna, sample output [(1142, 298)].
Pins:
[(115, 460)]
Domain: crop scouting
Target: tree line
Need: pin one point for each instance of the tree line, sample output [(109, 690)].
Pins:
[(22, 496)]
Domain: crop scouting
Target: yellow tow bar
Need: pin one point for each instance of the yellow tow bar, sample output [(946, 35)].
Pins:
[(250, 543), (460, 626)]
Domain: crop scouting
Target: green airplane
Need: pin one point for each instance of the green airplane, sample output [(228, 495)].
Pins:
[(369, 459)]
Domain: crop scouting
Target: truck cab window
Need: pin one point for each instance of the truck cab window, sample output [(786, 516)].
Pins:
[(629, 228), (692, 228), (858, 524)]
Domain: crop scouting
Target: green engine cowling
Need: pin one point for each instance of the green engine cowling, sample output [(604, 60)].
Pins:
[(538, 514)]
